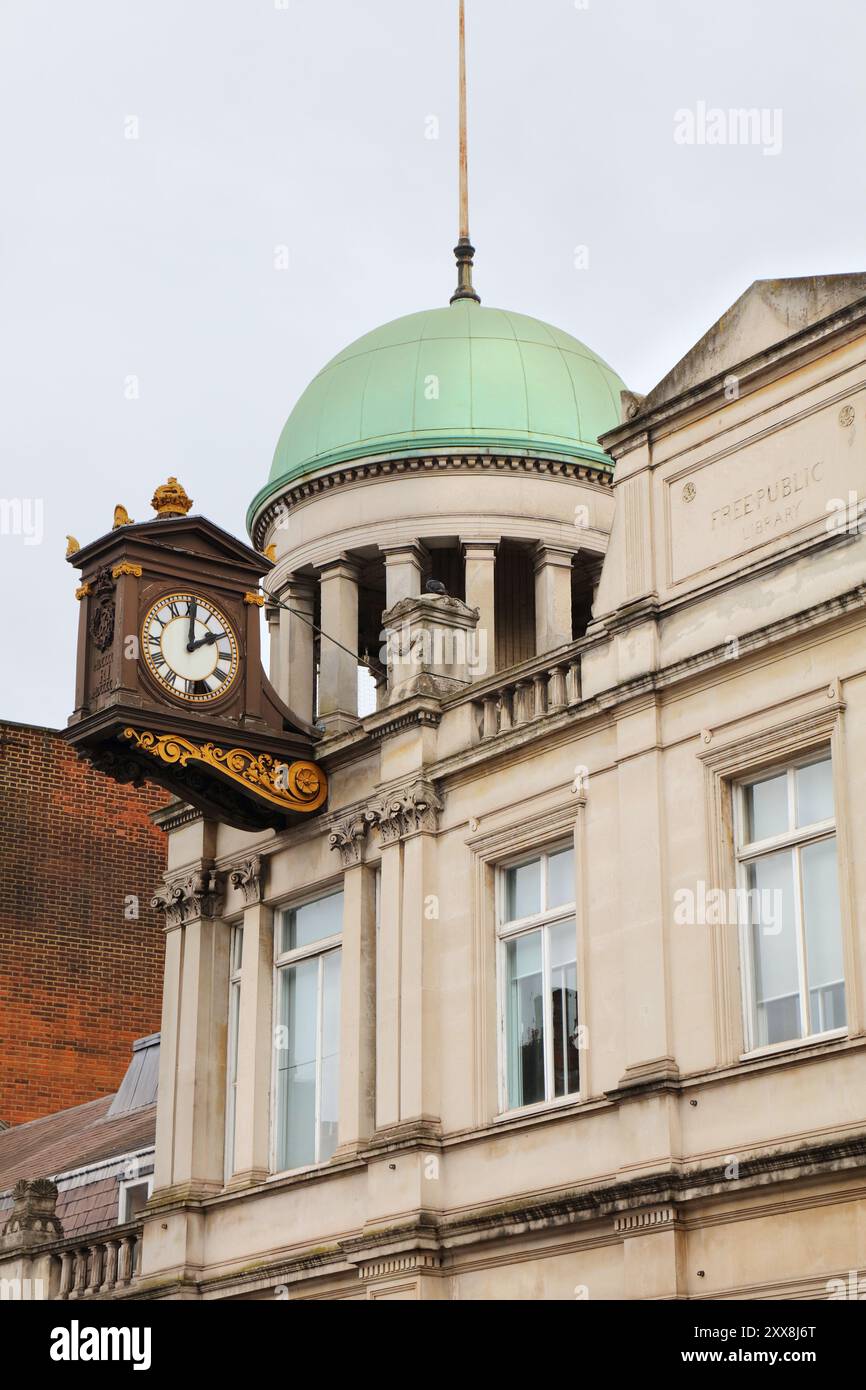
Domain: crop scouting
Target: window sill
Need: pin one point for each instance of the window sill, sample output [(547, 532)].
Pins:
[(796, 1045), (546, 1107), (299, 1172)]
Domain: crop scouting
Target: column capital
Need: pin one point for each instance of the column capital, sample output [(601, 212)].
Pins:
[(400, 549), (478, 549), (249, 877), (195, 894), (297, 586), (342, 566), (555, 555)]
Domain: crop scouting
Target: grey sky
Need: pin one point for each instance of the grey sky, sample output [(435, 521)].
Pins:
[(304, 125)]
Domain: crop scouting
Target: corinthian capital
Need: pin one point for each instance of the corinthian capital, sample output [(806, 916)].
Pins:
[(405, 811)]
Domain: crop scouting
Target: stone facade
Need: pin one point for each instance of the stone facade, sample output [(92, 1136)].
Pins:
[(725, 642)]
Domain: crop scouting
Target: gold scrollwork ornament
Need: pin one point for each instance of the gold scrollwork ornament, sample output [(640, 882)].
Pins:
[(293, 786)]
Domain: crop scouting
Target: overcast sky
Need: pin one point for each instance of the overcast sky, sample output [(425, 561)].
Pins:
[(304, 124)]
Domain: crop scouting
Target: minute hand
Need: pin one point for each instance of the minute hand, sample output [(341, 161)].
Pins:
[(205, 641)]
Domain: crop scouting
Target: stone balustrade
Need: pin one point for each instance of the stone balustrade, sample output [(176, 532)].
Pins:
[(546, 685), (97, 1266)]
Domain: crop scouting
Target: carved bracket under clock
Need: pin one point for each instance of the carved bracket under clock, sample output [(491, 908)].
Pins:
[(169, 684)]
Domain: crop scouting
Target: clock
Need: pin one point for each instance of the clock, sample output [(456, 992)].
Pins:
[(190, 648), (194, 711)]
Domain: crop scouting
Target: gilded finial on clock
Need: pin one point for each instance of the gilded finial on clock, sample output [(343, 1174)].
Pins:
[(121, 517), (170, 499), (71, 546)]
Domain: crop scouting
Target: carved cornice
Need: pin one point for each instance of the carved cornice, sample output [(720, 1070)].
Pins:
[(579, 470), (249, 877), (199, 894)]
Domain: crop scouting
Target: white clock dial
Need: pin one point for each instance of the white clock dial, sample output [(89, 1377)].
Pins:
[(190, 648)]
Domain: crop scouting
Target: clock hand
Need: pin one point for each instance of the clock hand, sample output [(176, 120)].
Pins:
[(205, 641), (191, 634)]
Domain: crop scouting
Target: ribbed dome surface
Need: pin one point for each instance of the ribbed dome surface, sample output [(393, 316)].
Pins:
[(461, 376)]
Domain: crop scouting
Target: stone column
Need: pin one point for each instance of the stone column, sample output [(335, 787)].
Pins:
[(407, 1077), (272, 614), (552, 598), (388, 988), (644, 900), (255, 1032), (297, 660), (480, 572), (338, 667), (191, 1104), (404, 567), (357, 1009)]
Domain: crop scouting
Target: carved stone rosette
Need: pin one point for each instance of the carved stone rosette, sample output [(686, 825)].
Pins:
[(402, 812), (249, 877), (199, 894)]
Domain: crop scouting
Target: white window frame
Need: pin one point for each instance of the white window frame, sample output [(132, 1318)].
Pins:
[(508, 931), (285, 960), (746, 852), (126, 1183), (236, 947)]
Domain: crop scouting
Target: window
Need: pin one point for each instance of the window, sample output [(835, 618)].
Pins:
[(537, 933), (133, 1198), (236, 948), (307, 1037), (791, 945)]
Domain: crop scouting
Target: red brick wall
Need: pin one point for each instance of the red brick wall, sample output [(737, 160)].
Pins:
[(78, 980)]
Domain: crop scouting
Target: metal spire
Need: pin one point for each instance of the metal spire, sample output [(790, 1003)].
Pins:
[(464, 250)]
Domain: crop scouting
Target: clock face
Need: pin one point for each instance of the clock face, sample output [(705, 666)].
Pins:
[(190, 648)]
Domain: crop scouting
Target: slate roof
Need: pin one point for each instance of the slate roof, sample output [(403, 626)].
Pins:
[(102, 1137)]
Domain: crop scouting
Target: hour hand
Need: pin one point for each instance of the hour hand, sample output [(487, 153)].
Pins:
[(205, 641), (190, 641)]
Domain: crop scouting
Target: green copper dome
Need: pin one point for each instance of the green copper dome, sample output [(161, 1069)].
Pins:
[(465, 376)]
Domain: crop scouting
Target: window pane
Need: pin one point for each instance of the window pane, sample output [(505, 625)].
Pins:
[(815, 793), (237, 949), (296, 1065), (563, 1005), (560, 878), (774, 949), (312, 922), (234, 1018), (523, 891), (766, 808), (330, 1098), (525, 1020), (136, 1201), (823, 936)]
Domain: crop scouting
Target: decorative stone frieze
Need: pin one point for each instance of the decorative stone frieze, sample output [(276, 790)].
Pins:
[(33, 1218), (249, 877), (199, 894)]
